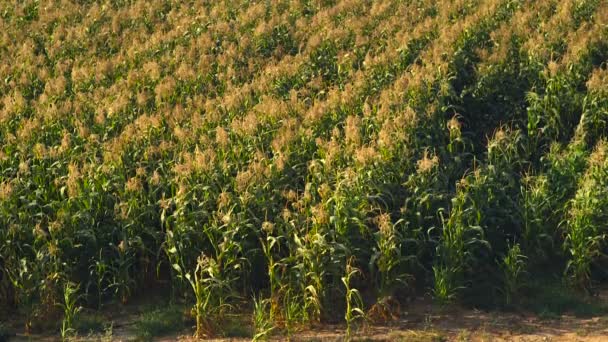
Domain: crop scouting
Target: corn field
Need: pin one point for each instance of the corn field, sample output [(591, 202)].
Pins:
[(324, 160)]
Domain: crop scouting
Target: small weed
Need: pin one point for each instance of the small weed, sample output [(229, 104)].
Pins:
[(108, 333), (463, 336), (582, 331), (262, 322), (444, 290), (294, 313), (427, 324)]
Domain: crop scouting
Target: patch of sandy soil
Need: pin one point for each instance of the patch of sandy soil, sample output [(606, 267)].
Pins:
[(428, 323)]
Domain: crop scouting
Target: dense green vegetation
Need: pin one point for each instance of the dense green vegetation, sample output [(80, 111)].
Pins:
[(304, 161)]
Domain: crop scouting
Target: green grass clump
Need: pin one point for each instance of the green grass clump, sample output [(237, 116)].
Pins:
[(159, 322), (90, 323), (551, 300)]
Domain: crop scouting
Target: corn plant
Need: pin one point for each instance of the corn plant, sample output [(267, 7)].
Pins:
[(513, 267), (354, 301), (207, 288), (585, 237), (100, 271), (273, 271), (462, 238), (388, 258), (26, 284), (174, 257), (535, 204), (583, 244), (594, 117), (551, 115), (312, 257), (70, 309), (452, 253), (122, 281)]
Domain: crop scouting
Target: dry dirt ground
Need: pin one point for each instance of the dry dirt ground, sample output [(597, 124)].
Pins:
[(421, 321), (428, 325)]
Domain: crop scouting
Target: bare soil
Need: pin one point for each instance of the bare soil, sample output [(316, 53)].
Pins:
[(420, 321)]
